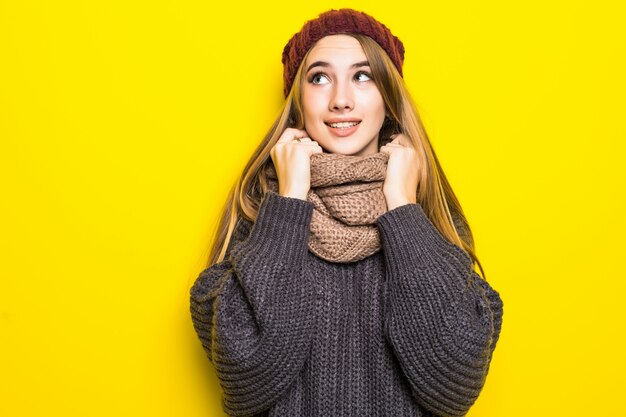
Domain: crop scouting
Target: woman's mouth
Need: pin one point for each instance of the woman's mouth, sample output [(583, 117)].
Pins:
[(342, 128)]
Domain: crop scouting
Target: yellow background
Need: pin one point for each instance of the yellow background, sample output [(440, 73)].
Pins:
[(123, 124)]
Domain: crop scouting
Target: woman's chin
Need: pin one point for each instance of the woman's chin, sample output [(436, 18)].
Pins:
[(345, 150)]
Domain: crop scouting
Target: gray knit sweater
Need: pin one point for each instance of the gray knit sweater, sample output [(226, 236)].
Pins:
[(408, 331)]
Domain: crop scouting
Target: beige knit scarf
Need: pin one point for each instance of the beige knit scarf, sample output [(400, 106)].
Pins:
[(347, 196)]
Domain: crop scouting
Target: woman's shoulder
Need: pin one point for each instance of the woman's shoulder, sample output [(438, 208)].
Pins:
[(240, 233)]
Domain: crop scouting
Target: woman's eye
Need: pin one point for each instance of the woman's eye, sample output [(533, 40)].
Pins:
[(318, 78), (362, 76)]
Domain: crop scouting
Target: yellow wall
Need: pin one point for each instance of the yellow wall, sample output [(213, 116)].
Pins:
[(122, 125)]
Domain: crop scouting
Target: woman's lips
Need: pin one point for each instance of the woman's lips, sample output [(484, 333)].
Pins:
[(342, 129)]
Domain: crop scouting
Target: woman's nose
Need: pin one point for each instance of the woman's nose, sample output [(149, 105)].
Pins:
[(342, 97)]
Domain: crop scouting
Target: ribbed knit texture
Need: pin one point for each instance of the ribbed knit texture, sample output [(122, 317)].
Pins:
[(408, 331)]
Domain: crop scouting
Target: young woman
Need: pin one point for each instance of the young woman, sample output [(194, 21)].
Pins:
[(341, 281)]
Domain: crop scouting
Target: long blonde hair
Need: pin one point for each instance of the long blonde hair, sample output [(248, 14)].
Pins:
[(434, 193)]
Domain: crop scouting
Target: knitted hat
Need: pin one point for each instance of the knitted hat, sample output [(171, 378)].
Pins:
[(335, 22)]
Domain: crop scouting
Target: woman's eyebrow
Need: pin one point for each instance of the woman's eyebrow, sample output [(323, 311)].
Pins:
[(361, 64), (326, 64), (318, 64)]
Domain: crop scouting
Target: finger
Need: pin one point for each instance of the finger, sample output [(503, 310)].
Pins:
[(390, 147), (297, 133), (403, 140), (290, 134)]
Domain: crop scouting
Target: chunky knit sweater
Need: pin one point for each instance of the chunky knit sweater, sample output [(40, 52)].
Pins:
[(408, 331)]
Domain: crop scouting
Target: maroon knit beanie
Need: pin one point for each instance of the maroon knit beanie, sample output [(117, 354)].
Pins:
[(334, 22)]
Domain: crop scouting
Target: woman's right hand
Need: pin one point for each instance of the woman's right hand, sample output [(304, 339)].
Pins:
[(292, 160)]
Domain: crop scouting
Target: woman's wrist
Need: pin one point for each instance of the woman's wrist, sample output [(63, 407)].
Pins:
[(395, 201), (300, 194)]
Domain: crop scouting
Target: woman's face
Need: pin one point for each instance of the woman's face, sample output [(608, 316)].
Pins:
[(343, 109)]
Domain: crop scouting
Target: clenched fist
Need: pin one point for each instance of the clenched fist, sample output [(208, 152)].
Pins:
[(292, 160), (402, 178)]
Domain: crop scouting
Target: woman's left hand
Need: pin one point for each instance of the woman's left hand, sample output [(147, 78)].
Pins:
[(401, 179)]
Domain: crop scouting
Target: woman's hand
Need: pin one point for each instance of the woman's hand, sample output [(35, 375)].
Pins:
[(292, 160), (401, 179)]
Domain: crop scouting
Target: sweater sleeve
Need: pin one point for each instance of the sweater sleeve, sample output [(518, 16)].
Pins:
[(254, 312), (441, 318)]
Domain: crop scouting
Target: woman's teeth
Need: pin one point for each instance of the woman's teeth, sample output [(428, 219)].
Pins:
[(343, 125)]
